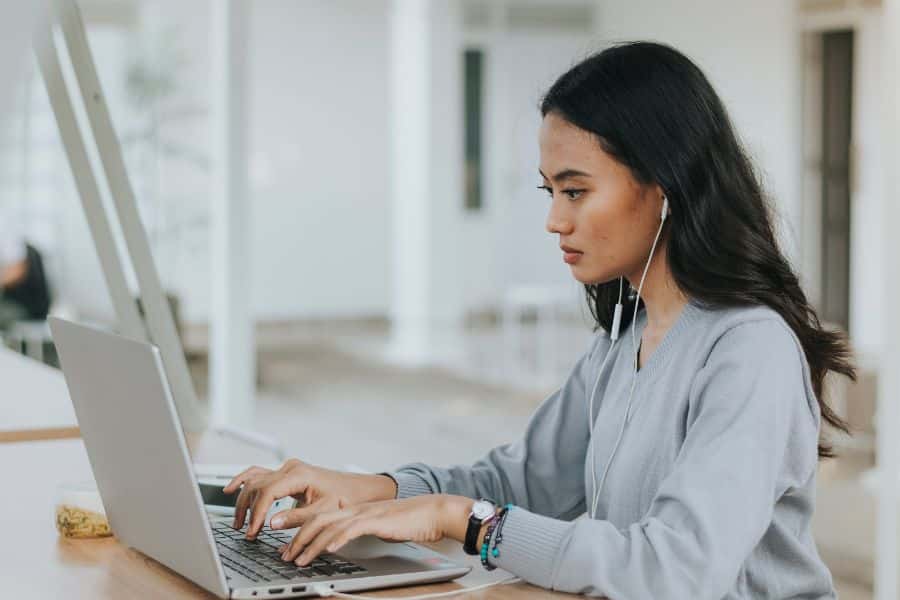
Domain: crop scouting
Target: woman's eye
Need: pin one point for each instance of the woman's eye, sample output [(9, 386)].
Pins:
[(571, 194)]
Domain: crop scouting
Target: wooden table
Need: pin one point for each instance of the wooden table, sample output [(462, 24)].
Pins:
[(37, 563), (35, 401)]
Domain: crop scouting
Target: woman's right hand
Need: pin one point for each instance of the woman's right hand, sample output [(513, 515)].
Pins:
[(316, 488)]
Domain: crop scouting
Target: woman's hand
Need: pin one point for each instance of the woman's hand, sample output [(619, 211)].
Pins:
[(427, 518), (320, 490)]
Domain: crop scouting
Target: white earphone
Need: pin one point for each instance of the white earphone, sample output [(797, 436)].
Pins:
[(614, 336)]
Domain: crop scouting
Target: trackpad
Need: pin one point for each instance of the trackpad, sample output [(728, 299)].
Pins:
[(389, 557)]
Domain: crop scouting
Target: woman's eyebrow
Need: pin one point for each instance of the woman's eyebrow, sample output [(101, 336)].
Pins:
[(565, 174)]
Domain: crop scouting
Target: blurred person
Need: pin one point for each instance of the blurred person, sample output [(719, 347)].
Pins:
[(676, 461), (24, 290)]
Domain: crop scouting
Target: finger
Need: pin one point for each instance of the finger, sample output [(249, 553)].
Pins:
[(309, 531), (321, 541), (242, 478), (245, 499), (275, 488), (236, 481), (349, 533), (295, 517), (261, 504), (248, 479)]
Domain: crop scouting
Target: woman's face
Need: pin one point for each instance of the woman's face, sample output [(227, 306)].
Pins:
[(598, 209)]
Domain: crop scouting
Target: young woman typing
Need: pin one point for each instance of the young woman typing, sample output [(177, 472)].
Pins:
[(677, 460)]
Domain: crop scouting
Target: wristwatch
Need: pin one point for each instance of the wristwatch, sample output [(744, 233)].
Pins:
[(482, 511)]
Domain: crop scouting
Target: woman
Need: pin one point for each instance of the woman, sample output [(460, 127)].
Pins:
[(691, 442)]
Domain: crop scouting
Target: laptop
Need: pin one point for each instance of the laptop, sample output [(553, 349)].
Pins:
[(144, 475)]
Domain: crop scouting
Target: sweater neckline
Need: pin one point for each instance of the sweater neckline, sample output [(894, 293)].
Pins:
[(689, 314)]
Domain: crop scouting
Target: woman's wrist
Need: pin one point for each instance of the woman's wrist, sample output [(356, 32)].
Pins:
[(455, 511), (454, 514), (383, 487)]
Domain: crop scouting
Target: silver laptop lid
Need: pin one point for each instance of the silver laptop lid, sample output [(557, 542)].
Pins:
[(137, 450)]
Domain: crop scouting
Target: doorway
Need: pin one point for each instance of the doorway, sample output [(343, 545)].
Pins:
[(828, 171), (837, 93)]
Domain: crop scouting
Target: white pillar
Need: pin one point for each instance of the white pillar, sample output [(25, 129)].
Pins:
[(15, 30), (888, 417), (426, 169), (232, 349)]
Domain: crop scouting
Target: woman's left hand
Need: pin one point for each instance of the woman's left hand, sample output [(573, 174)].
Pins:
[(427, 518)]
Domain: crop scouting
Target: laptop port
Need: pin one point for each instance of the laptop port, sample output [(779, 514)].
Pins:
[(298, 588), (276, 590)]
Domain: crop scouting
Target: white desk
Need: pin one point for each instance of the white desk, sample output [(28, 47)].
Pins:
[(35, 401)]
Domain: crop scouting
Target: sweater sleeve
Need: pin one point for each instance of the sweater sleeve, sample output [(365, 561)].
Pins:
[(535, 471), (752, 432)]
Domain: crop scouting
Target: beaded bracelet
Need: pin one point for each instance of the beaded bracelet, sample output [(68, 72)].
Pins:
[(495, 525), (486, 542)]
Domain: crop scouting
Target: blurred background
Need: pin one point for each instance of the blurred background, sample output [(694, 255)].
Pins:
[(340, 202)]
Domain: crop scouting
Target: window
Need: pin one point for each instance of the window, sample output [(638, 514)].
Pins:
[(473, 76)]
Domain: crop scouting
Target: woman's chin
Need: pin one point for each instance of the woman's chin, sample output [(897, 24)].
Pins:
[(581, 276), (590, 278)]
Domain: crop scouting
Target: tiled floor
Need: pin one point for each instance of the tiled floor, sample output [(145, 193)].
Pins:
[(328, 399)]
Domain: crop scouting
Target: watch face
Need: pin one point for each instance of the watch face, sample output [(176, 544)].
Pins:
[(482, 509)]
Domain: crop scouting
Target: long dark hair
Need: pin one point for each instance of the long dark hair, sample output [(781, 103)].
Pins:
[(652, 109)]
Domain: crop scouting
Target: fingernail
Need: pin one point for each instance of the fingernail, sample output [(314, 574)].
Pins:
[(331, 547), (277, 522)]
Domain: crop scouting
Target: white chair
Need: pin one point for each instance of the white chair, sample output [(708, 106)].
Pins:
[(30, 338), (548, 303)]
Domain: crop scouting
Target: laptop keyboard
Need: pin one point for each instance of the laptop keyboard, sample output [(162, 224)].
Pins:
[(259, 560)]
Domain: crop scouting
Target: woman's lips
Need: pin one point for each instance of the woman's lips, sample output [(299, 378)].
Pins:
[(571, 257)]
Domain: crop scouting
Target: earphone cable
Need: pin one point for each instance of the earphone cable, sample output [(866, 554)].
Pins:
[(597, 488)]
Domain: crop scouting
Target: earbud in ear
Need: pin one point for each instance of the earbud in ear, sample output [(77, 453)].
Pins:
[(665, 209)]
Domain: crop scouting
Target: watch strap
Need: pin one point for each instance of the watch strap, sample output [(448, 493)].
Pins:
[(474, 528)]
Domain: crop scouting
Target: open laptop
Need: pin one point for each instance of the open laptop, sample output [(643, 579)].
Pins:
[(144, 474)]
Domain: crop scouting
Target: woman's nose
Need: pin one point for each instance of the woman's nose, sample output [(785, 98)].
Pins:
[(558, 222)]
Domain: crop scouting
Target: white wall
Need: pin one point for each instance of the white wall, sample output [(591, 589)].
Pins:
[(319, 143), (319, 157), (749, 51)]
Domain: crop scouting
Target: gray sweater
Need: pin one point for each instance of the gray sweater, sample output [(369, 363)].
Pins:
[(711, 491)]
